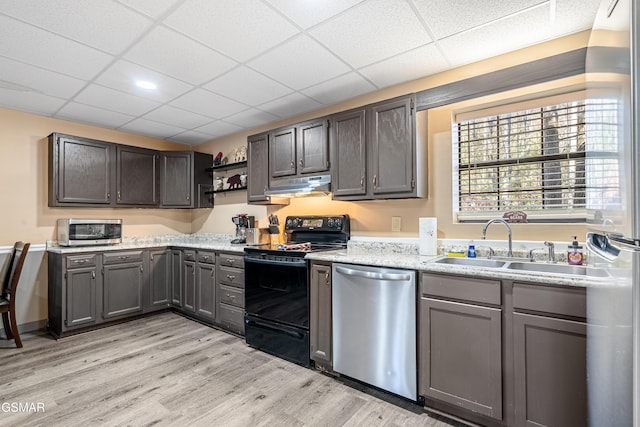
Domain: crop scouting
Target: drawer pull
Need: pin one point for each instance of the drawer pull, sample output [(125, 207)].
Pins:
[(80, 261), (230, 277), (232, 297), (123, 257), (230, 260)]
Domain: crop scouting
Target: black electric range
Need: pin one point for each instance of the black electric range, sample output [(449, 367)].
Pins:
[(277, 285)]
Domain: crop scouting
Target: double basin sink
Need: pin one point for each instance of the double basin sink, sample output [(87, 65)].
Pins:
[(525, 266)]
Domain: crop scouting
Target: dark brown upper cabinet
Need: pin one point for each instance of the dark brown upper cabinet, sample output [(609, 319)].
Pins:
[(80, 171), (137, 176), (377, 153), (258, 167), (282, 152), (185, 181), (300, 149), (85, 172)]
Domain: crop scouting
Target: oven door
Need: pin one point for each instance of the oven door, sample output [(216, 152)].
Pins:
[(277, 290)]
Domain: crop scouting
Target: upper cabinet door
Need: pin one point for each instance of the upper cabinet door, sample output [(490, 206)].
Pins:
[(282, 152), (136, 182), (349, 154), (313, 147), (258, 166), (176, 179), (81, 171), (392, 137)]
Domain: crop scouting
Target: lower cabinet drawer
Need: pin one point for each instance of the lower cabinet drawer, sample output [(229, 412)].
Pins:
[(232, 296), (231, 276), (122, 257), (230, 315)]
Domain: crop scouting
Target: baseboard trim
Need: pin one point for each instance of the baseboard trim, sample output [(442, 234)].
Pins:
[(37, 325)]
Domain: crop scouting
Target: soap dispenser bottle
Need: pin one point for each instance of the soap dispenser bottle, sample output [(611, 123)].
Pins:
[(574, 255), (471, 252)]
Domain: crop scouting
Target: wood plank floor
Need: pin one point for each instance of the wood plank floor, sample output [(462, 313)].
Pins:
[(168, 370)]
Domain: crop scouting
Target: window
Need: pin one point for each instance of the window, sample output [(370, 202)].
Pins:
[(526, 159)]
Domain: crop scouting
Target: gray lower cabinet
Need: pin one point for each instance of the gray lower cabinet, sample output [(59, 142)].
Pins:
[(189, 281), (123, 282), (320, 328), (205, 300), (550, 347), (81, 288), (160, 276), (230, 292), (460, 343), (176, 278)]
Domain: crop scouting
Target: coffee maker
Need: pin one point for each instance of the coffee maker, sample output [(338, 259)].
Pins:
[(242, 222)]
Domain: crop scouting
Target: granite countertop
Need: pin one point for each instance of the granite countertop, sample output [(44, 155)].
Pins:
[(406, 256), (212, 242)]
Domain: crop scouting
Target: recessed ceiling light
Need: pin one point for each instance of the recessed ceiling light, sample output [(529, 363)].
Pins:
[(146, 85)]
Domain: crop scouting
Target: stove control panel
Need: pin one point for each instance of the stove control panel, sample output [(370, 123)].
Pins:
[(317, 223)]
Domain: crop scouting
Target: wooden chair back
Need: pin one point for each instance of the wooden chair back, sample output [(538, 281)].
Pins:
[(16, 263)]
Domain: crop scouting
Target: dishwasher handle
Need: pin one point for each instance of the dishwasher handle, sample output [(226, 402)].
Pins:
[(373, 275)]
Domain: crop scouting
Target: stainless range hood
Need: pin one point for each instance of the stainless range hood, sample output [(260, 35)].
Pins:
[(318, 185)]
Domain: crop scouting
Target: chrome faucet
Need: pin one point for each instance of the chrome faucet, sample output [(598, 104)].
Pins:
[(491, 221), (552, 252)]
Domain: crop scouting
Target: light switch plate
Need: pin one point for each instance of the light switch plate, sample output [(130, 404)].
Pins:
[(396, 223)]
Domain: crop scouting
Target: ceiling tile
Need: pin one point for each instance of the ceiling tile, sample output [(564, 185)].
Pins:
[(190, 138), (152, 8), (290, 105), (177, 117), (219, 128), (30, 101), (447, 17), (104, 25), (32, 45), (309, 13), (489, 40), (339, 89), (177, 56), (299, 63), (151, 128), (248, 86), (240, 29), (573, 15), (209, 104), (420, 62), (122, 75), (113, 100), (39, 80), (251, 118), (372, 31), (93, 115)]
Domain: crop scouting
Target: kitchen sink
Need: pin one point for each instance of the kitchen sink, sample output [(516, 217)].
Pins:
[(574, 270), (472, 262)]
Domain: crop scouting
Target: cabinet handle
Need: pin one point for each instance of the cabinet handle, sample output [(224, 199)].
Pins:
[(93, 274), (188, 197), (212, 273), (230, 261), (108, 196), (123, 257), (230, 277), (80, 261), (301, 163), (293, 164), (141, 269), (326, 278), (231, 297), (362, 182), (118, 195), (375, 181)]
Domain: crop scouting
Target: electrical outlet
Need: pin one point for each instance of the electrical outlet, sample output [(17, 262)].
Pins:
[(396, 223)]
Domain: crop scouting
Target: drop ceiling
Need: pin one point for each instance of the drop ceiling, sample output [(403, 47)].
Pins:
[(222, 67)]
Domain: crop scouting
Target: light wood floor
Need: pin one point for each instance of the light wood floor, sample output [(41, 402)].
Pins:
[(168, 370)]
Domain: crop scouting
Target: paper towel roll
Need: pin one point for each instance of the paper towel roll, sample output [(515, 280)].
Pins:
[(428, 229)]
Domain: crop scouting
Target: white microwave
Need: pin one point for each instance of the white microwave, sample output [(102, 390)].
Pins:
[(89, 232)]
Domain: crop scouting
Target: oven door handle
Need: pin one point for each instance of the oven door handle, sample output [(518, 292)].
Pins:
[(274, 328), (299, 264)]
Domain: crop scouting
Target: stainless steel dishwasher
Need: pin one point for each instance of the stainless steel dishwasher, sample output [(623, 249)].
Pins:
[(374, 327)]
